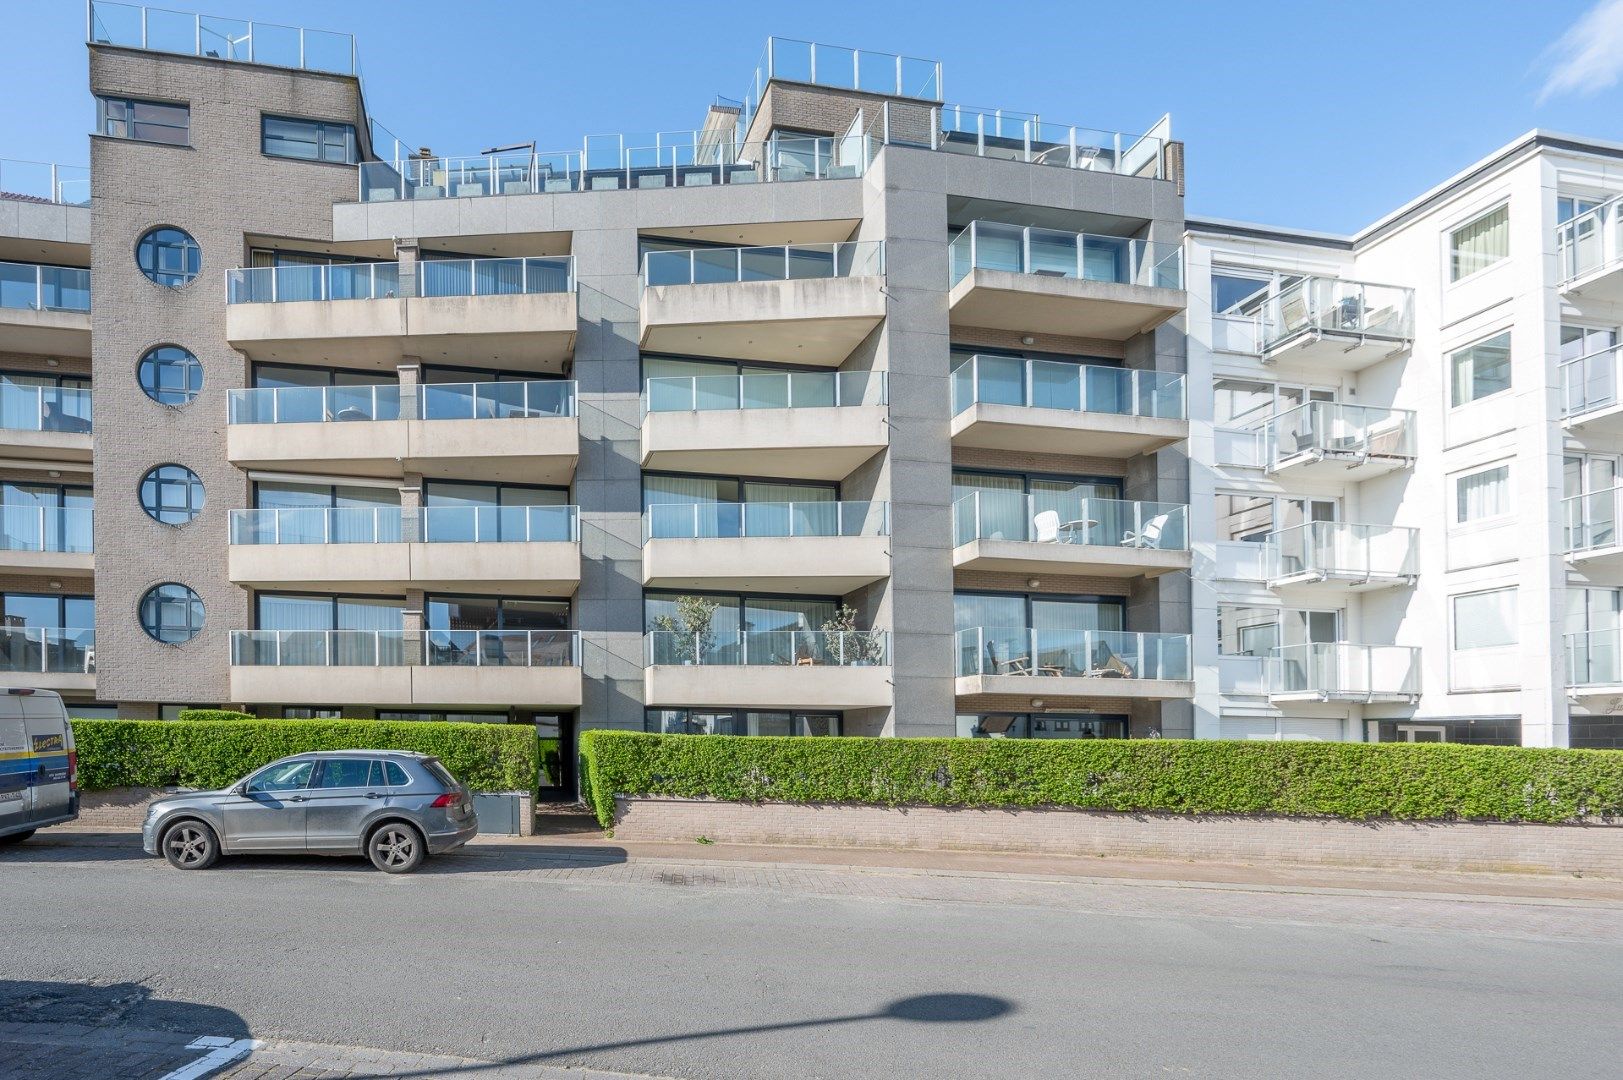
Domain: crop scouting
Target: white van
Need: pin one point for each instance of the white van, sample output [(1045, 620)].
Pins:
[(39, 770)]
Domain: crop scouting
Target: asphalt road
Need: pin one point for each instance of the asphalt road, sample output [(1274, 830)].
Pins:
[(517, 956)]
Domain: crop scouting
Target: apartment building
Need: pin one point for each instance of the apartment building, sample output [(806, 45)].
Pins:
[(848, 410), (1411, 450)]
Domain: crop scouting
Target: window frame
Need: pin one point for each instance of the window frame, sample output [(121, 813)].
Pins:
[(1452, 248), (320, 129), (157, 274), (190, 364), (193, 483), (1453, 619), (192, 601), (1454, 356), (1455, 524), (129, 122)]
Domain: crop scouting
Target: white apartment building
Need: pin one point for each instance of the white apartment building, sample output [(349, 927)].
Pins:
[(1410, 455)]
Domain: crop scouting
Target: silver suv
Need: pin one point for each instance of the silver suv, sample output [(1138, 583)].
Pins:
[(389, 805)]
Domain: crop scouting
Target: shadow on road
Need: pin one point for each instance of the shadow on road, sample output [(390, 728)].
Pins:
[(57, 847), (923, 1009), (117, 1005)]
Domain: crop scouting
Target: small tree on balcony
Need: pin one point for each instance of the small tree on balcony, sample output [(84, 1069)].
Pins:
[(842, 640), (692, 635)]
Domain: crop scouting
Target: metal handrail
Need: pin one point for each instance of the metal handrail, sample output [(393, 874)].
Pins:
[(721, 393), (1078, 387), (1121, 260), (67, 185), (858, 258), (688, 521), (137, 26), (1078, 519), (435, 278), (405, 648), (1089, 654), (761, 648)]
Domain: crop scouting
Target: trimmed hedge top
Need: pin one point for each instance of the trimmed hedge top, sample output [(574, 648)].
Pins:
[(1292, 779), (216, 753)]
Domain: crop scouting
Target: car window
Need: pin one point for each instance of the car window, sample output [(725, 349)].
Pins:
[(397, 775), (286, 776), (440, 773), (344, 773)]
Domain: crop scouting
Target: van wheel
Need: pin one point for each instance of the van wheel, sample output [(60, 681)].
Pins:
[(396, 848), (16, 837), (190, 845)]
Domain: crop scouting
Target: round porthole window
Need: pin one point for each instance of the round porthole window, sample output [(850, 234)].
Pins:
[(172, 494), (168, 256), (171, 613), (171, 375)]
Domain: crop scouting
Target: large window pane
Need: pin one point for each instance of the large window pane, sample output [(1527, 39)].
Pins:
[(1485, 620)]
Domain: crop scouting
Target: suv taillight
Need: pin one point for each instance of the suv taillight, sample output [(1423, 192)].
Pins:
[(450, 798), (73, 770)]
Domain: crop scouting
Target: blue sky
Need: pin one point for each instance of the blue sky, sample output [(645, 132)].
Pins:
[(1313, 114)]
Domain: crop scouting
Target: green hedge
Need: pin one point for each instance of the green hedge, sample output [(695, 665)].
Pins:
[(213, 754), (1298, 779), (214, 714)]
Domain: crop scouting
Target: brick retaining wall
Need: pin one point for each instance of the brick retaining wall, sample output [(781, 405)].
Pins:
[(1594, 850)]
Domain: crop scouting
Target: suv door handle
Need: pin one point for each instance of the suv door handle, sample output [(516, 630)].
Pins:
[(298, 798), (373, 795)]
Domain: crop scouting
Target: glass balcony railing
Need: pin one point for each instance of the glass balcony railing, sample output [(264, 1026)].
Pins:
[(1087, 654), (764, 390), (501, 524), (789, 262), (1064, 518), (1591, 383), (1341, 670), (31, 287), (47, 650), (1321, 429), (65, 184), (1595, 658), (1335, 306), (381, 281), (516, 399), (706, 521), (991, 245), (44, 408), (317, 525), (399, 648), (1018, 136), (769, 648), (1338, 550), (841, 68), (134, 26), (61, 529), (1047, 384), (1591, 520), (1590, 241)]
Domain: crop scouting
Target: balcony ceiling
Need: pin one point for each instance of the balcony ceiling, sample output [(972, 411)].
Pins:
[(961, 210), (763, 234)]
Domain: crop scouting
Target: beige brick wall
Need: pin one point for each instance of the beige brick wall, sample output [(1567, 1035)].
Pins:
[(1594, 850)]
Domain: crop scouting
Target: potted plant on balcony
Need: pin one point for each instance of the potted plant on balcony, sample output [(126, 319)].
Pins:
[(844, 643), (690, 628)]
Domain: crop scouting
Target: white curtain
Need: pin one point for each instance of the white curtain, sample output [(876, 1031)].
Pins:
[(1482, 495), (1481, 243), (1485, 620)]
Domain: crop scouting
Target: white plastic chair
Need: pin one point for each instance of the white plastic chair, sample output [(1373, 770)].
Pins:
[(1045, 526), (1149, 536)]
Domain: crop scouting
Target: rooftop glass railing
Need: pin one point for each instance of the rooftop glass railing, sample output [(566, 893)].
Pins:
[(984, 379), (1591, 520), (138, 27), (1026, 137), (516, 399), (1590, 383), (1060, 653), (45, 181), (48, 650), (705, 521), (1069, 518), (1336, 306), (400, 648), (1322, 550), (1339, 670), (991, 245), (1590, 241), (769, 648), (30, 287), (59, 529), (44, 408), (787, 262), (1595, 658), (382, 281), (1321, 429), (763, 390)]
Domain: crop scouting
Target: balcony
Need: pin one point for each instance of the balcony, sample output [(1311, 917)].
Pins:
[(1589, 254), (45, 309), (45, 422), (828, 548), (1590, 397), (1592, 542), (1595, 664), (774, 669), (48, 658), (133, 26), (61, 185), (1342, 557), (502, 431), (513, 550), (518, 314), (799, 425), (1045, 407), (454, 668), (46, 539), (1328, 440), (803, 304), (1329, 324), (1061, 666), (1340, 672), (1030, 280), (1008, 532)]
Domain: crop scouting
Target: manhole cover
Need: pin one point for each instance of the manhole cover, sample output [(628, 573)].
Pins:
[(668, 877)]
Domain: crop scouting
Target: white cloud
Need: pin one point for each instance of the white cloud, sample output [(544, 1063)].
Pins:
[(1587, 58)]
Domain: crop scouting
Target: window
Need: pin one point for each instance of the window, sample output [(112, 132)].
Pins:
[(170, 375), (346, 772), (1485, 620), (1247, 631), (308, 140), (1481, 370), (171, 613), (1479, 244), (739, 722), (168, 256), (396, 776), (149, 121), (283, 776), (1237, 291), (172, 494), (308, 712), (1481, 495)]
